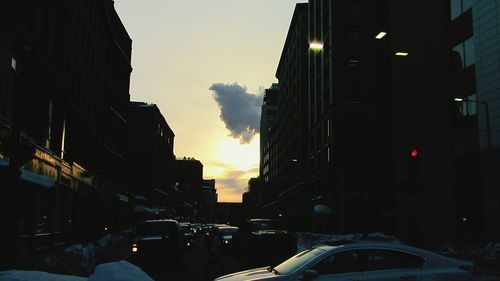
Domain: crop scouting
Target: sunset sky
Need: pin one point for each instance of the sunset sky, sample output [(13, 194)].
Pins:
[(206, 64)]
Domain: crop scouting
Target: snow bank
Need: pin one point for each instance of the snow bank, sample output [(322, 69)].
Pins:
[(119, 271), (112, 271), (81, 258), (487, 251), (83, 255), (306, 240), (23, 275)]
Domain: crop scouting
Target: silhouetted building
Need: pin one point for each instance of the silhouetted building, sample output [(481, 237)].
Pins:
[(475, 79), (252, 199), (189, 181), (209, 201), (387, 145), (268, 155), (284, 132), (230, 213), (150, 154), (64, 90), (365, 117)]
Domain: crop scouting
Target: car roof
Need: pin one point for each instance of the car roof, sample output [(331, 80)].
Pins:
[(263, 220), (159, 220), (227, 227), (366, 244)]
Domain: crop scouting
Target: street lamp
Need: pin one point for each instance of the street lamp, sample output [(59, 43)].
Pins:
[(487, 112), (488, 136), (316, 45)]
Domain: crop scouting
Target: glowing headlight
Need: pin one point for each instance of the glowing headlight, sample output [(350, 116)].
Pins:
[(135, 248), (226, 241)]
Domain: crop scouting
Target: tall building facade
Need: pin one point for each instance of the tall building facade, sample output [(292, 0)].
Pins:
[(189, 182), (401, 128), (64, 89), (474, 44), (349, 114), (268, 117), (291, 126), (284, 165), (151, 156)]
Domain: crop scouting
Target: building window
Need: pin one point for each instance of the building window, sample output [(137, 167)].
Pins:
[(458, 7), (468, 107), (470, 52), (328, 127), (328, 156), (464, 53)]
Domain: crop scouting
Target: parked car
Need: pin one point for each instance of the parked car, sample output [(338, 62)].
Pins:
[(157, 243), (186, 234), (364, 260), (225, 234), (264, 240), (196, 228)]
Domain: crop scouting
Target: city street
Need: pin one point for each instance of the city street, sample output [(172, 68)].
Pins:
[(199, 264)]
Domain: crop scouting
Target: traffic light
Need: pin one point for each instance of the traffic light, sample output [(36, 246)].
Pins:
[(414, 166)]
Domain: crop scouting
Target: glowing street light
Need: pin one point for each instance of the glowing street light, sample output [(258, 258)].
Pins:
[(401, 54), (316, 45), (381, 35)]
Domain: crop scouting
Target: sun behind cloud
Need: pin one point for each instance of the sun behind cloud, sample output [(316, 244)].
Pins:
[(239, 156), (236, 164)]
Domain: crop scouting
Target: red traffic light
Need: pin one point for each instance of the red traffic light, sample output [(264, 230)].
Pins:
[(414, 153)]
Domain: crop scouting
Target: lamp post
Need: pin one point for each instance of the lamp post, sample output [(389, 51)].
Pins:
[(488, 137), (487, 112)]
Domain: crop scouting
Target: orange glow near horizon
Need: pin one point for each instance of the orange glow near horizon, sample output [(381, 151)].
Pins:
[(235, 164)]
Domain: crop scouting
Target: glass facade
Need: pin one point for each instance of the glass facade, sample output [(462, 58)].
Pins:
[(458, 7), (466, 51)]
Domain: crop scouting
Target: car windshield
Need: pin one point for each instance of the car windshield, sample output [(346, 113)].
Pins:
[(266, 225), (155, 229), (292, 264)]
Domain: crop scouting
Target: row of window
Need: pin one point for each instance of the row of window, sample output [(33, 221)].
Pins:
[(464, 53)]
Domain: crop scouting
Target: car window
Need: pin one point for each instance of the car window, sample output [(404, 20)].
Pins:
[(297, 261), (265, 225), (382, 259), (156, 229), (343, 262)]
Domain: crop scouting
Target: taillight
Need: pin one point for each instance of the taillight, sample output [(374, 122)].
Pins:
[(469, 268)]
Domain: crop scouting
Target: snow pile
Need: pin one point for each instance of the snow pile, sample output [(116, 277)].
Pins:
[(119, 271), (306, 240), (82, 258), (112, 271), (23, 275), (487, 251)]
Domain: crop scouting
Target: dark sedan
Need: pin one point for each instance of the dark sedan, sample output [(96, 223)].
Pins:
[(265, 239), (157, 243)]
